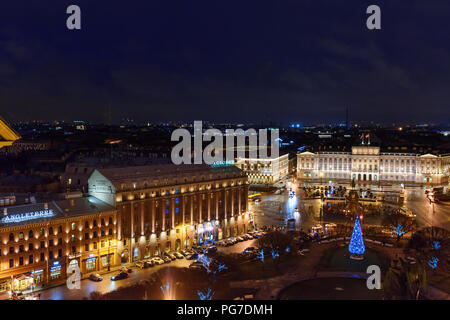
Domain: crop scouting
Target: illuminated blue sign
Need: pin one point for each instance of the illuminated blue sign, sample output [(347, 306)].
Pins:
[(225, 163), (28, 216)]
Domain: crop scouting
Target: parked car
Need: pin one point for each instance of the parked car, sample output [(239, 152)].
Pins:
[(211, 250), (249, 250), (166, 259), (171, 256), (126, 270), (144, 264), (178, 255), (95, 277), (120, 276), (192, 256), (158, 260), (197, 266)]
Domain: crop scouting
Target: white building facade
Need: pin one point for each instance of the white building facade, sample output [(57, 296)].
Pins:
[(368, 164), (264, 171)]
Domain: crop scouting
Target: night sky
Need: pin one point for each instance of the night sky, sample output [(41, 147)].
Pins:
[(286, 61)]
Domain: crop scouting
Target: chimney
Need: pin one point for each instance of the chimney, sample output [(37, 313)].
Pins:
[(5, 211), (46, 206)]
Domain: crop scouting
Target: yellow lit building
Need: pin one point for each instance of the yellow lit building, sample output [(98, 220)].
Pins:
[(38, 241), (168, 207)]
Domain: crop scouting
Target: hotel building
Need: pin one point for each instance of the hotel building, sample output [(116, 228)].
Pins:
[(264, 171), (163, 208), (369, 165), (40, 240)]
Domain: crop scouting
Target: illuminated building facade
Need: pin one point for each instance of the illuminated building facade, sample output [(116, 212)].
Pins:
[(369, 165), (39, 241), (7, 134), (264, 171), (168, 207)]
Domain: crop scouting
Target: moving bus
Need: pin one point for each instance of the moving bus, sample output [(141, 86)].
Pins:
[(255, 197)]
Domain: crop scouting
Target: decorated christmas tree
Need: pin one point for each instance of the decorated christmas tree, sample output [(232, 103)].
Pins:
[(356, 246)]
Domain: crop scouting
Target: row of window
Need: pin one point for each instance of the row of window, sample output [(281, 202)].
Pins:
[(60, 230)]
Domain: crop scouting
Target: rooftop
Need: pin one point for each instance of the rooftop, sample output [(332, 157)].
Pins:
[(40, 212)]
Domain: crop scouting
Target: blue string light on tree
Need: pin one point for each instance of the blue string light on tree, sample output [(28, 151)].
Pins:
[(356, 246), (261, 255), (435, 245), (274, 254), (433, 262), (207, 296)]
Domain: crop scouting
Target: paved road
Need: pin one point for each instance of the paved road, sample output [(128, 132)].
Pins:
[(88, 286)]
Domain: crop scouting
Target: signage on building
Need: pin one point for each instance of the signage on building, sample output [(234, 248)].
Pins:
[(223, 163), (28, 216)]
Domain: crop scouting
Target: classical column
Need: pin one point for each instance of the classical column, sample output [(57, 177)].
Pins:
[(216, 196), (142, 218), (172, 211), (200, 208), (191, 203), (239, 190), (183, 206), (163, 215), (153, 215), (232, 201), (132, 220), (209, 205), (225, 202), (119, 224)]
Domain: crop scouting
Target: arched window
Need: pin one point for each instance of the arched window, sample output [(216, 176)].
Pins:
[(11, 237), (30, 234)]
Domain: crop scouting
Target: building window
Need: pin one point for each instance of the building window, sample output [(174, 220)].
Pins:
[(21, 248), (11, 250), (60, 253), (59, 241), (86, 247), (103, 222), (95, 223), (30, 247), (11, 237), (11, 263), (110, 220), (42, 256), (21, 261), (60, 229), (110, 231), (73, 226), (21, 236), (50, 231), (30, 234), (30, 259), (95, 245), (74, 249), (86, 225), (86, 236), (103, 233), (95, 234), (42, 244)]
